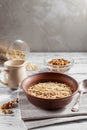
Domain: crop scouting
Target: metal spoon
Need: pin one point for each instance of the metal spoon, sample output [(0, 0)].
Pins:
[(82, 89)]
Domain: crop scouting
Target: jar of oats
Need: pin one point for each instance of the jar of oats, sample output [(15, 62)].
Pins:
[(18, 50)]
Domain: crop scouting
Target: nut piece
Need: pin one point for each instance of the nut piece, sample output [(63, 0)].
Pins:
[(9, 111), (8, 105), (12, 104), (6, 111), (5, 105), (17, 100)]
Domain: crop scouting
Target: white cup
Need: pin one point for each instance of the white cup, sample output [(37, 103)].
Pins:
[(14, 73)]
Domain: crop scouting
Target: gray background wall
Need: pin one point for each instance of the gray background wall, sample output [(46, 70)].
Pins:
[(46, 25)]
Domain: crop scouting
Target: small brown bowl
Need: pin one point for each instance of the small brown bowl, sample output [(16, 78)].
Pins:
[(46, 77)]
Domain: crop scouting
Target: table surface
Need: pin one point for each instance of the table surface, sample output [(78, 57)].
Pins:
[(78, 71)]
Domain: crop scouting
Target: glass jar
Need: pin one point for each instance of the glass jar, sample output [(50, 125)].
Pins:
[(18, 50)]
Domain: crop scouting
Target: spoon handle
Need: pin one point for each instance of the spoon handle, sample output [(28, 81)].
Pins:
[(76, 105)]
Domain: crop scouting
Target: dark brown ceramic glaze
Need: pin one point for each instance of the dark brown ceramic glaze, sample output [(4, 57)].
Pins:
[(49, 76)]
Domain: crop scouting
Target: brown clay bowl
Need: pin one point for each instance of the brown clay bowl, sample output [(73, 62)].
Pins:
[(49, 76)]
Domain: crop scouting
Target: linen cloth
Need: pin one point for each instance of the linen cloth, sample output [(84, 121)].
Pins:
[(35, 117)]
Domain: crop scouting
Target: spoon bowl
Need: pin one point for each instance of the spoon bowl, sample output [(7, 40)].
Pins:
[(84, 86)]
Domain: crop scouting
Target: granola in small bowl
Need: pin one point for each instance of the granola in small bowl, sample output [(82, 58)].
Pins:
[(59, 64)]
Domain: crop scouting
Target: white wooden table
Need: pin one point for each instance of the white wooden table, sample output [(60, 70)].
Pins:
[(78, 71)]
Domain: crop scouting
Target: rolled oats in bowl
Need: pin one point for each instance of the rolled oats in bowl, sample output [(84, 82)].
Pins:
[(50, 90)]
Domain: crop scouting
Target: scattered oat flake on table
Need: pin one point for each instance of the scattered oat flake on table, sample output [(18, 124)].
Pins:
[(30, 66)]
